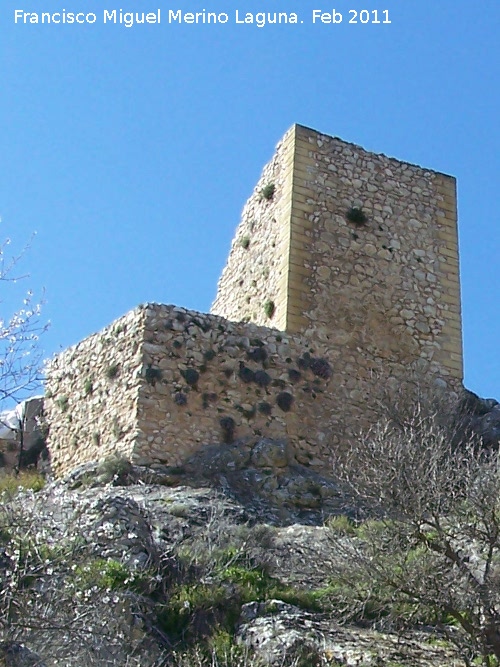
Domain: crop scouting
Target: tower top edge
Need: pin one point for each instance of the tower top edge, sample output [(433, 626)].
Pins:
[(298, 128)]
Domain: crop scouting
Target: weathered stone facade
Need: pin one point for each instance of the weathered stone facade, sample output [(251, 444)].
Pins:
[(386, 291), (162, 381), (350, 257)]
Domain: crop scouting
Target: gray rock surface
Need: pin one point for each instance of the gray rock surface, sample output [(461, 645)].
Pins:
[(482, 418), (147, 529), (274, 629)]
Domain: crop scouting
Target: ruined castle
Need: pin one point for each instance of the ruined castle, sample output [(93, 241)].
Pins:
[(342, 277)]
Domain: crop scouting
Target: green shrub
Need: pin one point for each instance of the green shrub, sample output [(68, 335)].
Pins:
[(112, 371), (222, 647), (63, 403), (371, 527), (492, 661), (114, 469), (310, 600), (110, 574), (269, 308), (268, 191), (219, 651), (194, 610), (191, 375), (208, 355), (245, 242), (153, 375), (117, 429), (178, 510), (114, 575), (252, 582), (342, 525)]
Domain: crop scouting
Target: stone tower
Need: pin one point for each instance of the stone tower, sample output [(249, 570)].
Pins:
[(353, 249), (342, 278)]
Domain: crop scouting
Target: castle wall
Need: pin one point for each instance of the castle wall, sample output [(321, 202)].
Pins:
[(186, 379), (219, 380), (256, 272), (91, 395), (387, 291), (357, 306), (384, 294)]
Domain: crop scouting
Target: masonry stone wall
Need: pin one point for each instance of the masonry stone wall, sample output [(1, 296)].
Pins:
[(389, 289), (221, 380), (342, 280), (163, 381), (91, 395), (386, 292), (258, 260)]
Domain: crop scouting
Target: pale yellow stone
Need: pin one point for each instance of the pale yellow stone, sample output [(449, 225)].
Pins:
[(336, 291)]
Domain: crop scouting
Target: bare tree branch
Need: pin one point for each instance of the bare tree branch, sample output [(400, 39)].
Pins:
[(434, 542), (20, 353)]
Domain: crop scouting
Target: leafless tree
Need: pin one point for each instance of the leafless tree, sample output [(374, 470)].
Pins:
[(431, 550), (20, 353), (60, 598)]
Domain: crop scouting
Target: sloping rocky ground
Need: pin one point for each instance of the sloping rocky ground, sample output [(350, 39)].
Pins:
[(227, 561), (119, 565)]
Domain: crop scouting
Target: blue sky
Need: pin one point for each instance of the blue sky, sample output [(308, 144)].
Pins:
[(131, 151)]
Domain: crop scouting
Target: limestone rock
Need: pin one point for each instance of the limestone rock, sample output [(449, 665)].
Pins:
[(275, 630)]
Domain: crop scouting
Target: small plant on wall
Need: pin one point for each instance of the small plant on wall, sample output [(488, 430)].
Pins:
[(63, 403), (269, 308), (245, 242), (268, 191), (357, 216), (112, 371)]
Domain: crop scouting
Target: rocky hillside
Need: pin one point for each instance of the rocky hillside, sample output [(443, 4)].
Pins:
[(118, 565), (242, 557)]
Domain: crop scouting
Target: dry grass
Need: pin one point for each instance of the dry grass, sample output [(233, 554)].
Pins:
[(11, 484)]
